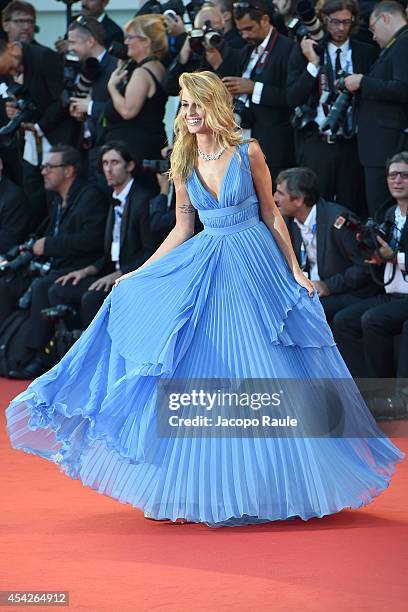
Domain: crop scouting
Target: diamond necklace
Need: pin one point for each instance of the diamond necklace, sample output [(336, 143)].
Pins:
[(211, 156)]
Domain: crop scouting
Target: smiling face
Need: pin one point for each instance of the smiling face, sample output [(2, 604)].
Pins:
[(193, 114)]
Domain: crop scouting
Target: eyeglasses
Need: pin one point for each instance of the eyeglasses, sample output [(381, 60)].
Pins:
[(393, 175), (339, 22), (22, 22), (134, 37), (371, 27), (48, 167)]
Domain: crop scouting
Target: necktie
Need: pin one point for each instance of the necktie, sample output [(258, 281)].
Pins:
[(337, 66)]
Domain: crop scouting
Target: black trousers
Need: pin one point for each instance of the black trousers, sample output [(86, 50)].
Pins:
[(365, 332), (78, 295), (339, 172), (38, 330), (376, 190), (33, 186), (332, 304), (402, 369)]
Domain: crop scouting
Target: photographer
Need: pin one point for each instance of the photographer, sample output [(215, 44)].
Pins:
[(327, 251), (46, 123), (86, 40), (96, 10), (128, 240), (135, 113), (13, 213), (204, 49), (365, 331), (19, 22), (260, 91), (72, 239), (314, 69), (383, 99), (231, 35)]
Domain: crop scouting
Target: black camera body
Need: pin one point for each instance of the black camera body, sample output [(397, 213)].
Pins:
[(306, 24), (303, 116), (156, 165), (366, 232), (336, 117), (207, 35), (79, 77), (27, 111)]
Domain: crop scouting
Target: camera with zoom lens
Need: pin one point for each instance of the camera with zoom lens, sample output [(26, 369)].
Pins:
[(199, 38), (367, 232), (79, 77), (306, 24), (336, 118), (156, 165), (303, 116), (18, 95)]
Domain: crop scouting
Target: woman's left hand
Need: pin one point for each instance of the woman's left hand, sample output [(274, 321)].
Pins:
[(302, 280), (117, 77)]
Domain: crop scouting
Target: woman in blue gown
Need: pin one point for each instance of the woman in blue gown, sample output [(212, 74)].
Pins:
[(230, 303)]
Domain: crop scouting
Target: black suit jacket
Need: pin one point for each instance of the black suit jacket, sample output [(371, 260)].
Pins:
[(383, 105), (80, 238), (303, 88), (271, 117), (43, 80), (99, 93), (340, 263), (14, 215), (136, 243), (112, 31)]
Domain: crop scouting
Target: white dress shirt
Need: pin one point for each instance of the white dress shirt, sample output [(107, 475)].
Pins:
[(257, 92), (308, 231), (346, 64), (118, 210), (398, 284)]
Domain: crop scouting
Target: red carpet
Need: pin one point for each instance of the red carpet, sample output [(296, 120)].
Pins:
[(58, 535)]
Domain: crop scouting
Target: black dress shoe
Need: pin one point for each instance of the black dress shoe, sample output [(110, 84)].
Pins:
[(36, 367)]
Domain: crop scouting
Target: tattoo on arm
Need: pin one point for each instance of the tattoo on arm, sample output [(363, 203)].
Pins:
[(186, 208)]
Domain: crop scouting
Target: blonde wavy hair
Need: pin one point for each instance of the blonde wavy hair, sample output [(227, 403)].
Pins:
[(153, 27), (210, 93)]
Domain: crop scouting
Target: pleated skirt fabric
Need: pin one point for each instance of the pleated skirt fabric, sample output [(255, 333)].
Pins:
[(215, 307)]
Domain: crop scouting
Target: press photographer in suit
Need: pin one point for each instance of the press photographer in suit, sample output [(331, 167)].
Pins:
[(128, 240), (260, 91), (383, 99), (97, 10), (86, 38), (365, 332), (314, 69), (49, 124), (73, 238), (326, 250), (219, 58)]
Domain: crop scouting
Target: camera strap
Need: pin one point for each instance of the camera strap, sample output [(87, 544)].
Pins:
[(263, 58)]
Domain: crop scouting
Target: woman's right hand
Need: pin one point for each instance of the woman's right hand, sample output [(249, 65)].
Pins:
[(122, 278)]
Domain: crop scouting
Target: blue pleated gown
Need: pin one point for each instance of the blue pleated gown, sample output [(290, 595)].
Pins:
[(224, 304)]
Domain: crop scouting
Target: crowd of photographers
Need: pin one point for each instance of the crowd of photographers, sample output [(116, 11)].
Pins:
[(84, 196)]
